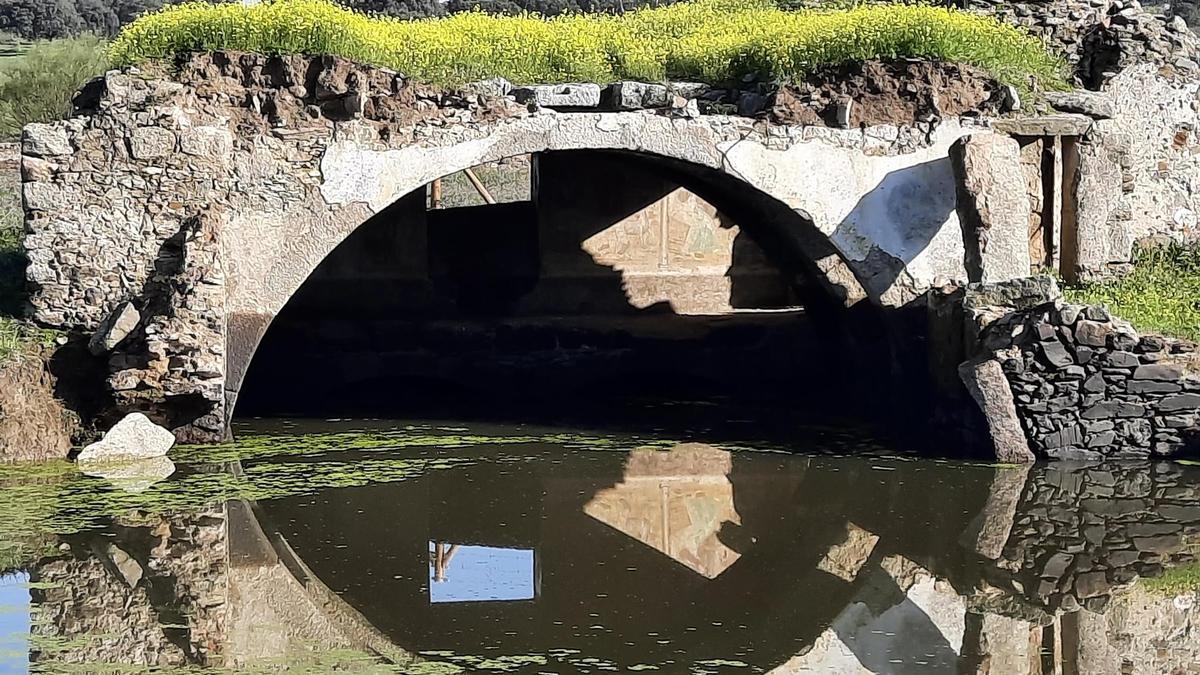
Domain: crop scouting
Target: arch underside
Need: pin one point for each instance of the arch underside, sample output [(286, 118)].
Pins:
[(798, 202)]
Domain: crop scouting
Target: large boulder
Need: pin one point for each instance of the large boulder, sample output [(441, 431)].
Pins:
[(134, 437)]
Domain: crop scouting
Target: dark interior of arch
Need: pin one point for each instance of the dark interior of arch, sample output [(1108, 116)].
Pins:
[(608, 282)]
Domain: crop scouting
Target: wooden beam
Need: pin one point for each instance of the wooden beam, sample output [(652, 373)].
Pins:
[(479, 187)]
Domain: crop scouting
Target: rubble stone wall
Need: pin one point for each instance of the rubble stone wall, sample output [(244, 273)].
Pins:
[(1144, 61), (1086, 385)]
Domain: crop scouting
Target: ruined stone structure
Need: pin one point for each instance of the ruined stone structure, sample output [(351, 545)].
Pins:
[(1077, 382), (174, 218)]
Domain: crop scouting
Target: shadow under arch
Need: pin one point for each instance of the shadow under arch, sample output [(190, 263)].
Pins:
[(499, 239), (261, 296)]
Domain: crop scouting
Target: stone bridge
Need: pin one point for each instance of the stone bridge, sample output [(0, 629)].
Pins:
[(176, 216)]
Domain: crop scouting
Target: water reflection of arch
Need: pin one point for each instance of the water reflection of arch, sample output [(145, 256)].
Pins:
[(85, 588), (779, 595)]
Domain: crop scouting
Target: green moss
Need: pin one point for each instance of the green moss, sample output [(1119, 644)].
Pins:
[(42, 500), (1161, 295)]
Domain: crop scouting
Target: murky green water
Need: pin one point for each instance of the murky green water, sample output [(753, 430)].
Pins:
[(443, 548)]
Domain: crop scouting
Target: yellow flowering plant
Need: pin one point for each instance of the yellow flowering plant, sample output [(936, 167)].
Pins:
[(710, 40)]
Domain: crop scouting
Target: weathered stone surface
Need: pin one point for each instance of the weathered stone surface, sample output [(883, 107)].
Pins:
[(1091, 103), (151, 142), (134, 437), (628, 95), (114, 329), (1092, 333), (1095, 190), (45, 140), (987, 385), (993, 207), (1021, 293), (1182, 402), (206, 141), (1161, 372), (574, 95), (1056, 354), (1045, 125), (495, 87)]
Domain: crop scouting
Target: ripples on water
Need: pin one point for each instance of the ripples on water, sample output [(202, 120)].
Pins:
[(423, 548)]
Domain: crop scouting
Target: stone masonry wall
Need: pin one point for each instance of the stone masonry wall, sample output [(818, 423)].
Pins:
[(1085, 384), (288, 155), (1144, 62)]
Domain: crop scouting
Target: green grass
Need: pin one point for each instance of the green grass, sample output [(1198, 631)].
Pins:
[(1161, 295), (12, 264), (710, 40), (37, 84), (1175, 581), (16, 334)]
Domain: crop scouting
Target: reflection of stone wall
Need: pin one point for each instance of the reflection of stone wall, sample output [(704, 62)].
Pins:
[(1084, 533), (150, 596)]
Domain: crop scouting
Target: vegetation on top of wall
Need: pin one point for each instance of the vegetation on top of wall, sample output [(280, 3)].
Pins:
[(1161, 294), (710, 40), (37, 85), (1175, 581)]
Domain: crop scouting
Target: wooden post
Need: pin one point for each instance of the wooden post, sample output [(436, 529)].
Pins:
[(1069, 236), (435, 194)]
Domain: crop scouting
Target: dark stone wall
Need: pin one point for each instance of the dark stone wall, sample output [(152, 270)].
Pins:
[(1087, 385)]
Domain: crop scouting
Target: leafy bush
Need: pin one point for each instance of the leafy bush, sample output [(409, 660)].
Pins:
[(712, 40), (50, 19), (38, 85), (1162, 294)]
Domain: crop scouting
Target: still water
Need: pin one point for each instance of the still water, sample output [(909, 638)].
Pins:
[(369, 546)]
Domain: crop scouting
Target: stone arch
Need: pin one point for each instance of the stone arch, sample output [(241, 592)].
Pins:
[(839, 191)]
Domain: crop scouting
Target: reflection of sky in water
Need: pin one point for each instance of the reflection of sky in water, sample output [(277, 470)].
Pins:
[(482, 573), (14, 623)]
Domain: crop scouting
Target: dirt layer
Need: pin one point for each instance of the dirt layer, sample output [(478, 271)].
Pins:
[(895, 92), (306, 91)]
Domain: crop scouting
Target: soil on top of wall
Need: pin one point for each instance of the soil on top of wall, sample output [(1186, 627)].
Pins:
[(897, 92), (296, 91)]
